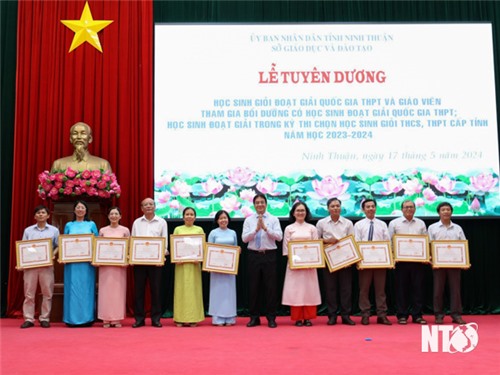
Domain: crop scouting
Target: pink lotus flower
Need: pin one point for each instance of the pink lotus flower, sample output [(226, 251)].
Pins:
[(392, 185), (446, 185), (93, 182), (96, 173), (101, 184), (211, 186), (164, 197), (419, 202), (241, 176), (230, 204), (53, 192), (175, 205), (181, 189), (70, 172), (247, 194), (46, 187), (484, 182), (330, 187), (412, 186), (430, 178), (246, 211), (475, 206), (44, 177), (163, 181), (58, 184), (67, 190), (78, 191), (92, 191), (267, 186), (106, 177), (429, 195), (70, 183)]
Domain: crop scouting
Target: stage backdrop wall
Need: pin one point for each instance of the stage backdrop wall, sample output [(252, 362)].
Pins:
[(113, 93)]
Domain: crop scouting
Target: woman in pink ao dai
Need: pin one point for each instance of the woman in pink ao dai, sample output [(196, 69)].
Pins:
[(301, 289), (112, 279)]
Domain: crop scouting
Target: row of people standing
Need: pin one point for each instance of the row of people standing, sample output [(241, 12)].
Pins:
[(261, 231)]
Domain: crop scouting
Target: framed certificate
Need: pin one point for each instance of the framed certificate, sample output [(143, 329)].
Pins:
[(221, 258), (110, 251), (305, 254), (187, 247), (75, 248), (34, 253), (411, 248), (148, 251), (375, 254), (342, 254), (450, 254)]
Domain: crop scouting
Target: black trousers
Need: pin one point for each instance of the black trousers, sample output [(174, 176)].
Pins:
[(410, 289), (262, 281), (141, 274), (440, 276), (338, 283)]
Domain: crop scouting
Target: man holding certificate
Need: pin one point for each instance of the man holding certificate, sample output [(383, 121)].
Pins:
[(261, 231), (445, 229), (331, 229), (409, 275), (45, 275), (372, 229), (148, 225)]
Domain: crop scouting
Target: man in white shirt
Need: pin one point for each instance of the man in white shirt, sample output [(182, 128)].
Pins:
[(261, 231), (148, 225), (445, 229), (331, 229), (409, 275), (372, 229)]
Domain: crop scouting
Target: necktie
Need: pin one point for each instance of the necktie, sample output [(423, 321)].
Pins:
[(258, 239), (370, 232)]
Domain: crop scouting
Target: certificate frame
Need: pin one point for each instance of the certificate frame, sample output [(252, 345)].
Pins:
[(120, 248), (221, 258), (349, 246), (316, 259), (194, 252), (461, 249), (41, 249), (386, 259), (68, 255), (153, 255), (401, 242)]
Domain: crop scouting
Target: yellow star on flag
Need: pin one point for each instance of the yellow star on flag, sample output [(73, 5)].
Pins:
[(86, 29)]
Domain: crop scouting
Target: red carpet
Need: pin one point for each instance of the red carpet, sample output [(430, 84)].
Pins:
[(320, 349)]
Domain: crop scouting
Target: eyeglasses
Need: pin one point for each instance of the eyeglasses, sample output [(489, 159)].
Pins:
[(408, 207)]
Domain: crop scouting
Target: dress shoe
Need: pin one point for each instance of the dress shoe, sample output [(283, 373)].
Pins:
[(45, 324), (458, 320), (253, 322), (156, 324), (271, 323), (332, 320), (348, 321), (402, 321), (27, 324), (307, 323), (419, 320), (298, 323), (365, 320), (439, 320), (138, 324), (383, 320)]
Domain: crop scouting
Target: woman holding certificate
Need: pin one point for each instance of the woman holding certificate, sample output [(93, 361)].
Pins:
[(301, 288), (112, 279), (188, 294), (79, 278), (222, 306)]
